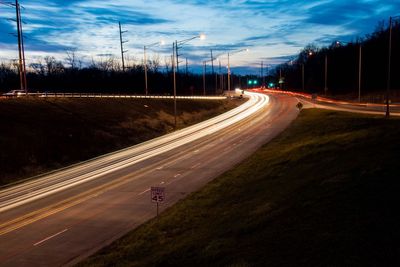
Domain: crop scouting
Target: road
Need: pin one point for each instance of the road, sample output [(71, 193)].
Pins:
[(65, 216), (338, 105)]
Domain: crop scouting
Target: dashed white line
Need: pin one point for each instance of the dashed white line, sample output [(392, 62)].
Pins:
[(147, 190), (50, 237), (195, 166)]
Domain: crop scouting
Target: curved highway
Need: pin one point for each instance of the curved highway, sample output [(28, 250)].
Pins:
[(64, 216), (338, 105)]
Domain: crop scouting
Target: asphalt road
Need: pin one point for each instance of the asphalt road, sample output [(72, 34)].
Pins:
[(65, 216), (337, 105)]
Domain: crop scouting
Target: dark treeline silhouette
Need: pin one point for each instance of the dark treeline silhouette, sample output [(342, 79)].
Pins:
[(343, 65), (51, 75)]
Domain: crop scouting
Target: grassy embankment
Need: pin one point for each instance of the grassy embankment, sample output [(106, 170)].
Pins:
[(39, 135), (324, 193)]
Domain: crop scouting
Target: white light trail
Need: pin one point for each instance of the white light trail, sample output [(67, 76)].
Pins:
[(98, 167)]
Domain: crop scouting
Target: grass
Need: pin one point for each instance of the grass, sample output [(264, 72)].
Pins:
[(324, 193), (38, 135)]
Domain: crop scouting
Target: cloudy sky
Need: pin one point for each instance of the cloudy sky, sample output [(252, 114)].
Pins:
[(272, 30)]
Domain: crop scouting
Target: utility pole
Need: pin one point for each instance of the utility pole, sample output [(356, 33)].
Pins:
[(212, 62), (262, 74), (177, 56), (122, 46), (174, 78), (326, 74), (389, 67), (359, 71), (21, 52), (229, 78), (220, 77)]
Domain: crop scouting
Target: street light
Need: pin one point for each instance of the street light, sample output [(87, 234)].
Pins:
[(389, 63), (338, 43), (201, 36), (292, 62), (204, 74), (308, 54), (145, 62)]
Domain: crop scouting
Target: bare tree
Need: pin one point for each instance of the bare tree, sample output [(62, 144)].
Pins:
[(38, 67), (155, 63), (167, 62), (53, 66), (72, 59)]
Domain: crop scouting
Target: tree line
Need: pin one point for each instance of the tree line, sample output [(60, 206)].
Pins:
[(343, 62), (107, 76)]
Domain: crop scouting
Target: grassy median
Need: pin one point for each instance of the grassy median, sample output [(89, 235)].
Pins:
[(42, 134), (324, 193)]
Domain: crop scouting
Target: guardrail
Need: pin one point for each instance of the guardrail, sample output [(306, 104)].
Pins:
[(99, 95)]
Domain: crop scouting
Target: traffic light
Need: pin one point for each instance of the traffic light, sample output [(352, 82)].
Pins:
[(252, 82)]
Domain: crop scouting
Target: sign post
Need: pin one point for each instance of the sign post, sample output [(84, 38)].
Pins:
[(157, 195)]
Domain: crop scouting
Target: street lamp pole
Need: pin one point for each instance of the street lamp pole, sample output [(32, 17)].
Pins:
[(204, 74), (145, 70), (229, 78), (389, 64), (174, 67), (204, 78), (338, 43), (229, 68)]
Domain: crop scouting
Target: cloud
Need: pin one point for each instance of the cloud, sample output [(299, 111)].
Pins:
[(271, 29)]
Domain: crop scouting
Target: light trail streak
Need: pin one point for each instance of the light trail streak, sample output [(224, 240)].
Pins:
[(338, 105), (81, 173)]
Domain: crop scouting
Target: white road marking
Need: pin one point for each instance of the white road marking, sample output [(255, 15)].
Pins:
[(147, 190), (50, 237), (176, 175), (195, 166)]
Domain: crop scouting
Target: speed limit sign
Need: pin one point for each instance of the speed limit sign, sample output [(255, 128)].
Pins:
[(157, 194)]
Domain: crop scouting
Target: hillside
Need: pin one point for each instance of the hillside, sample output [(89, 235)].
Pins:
[(324, 193), (38, 135)]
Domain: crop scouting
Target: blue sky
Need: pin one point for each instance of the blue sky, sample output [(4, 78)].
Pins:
[(272, 30)]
